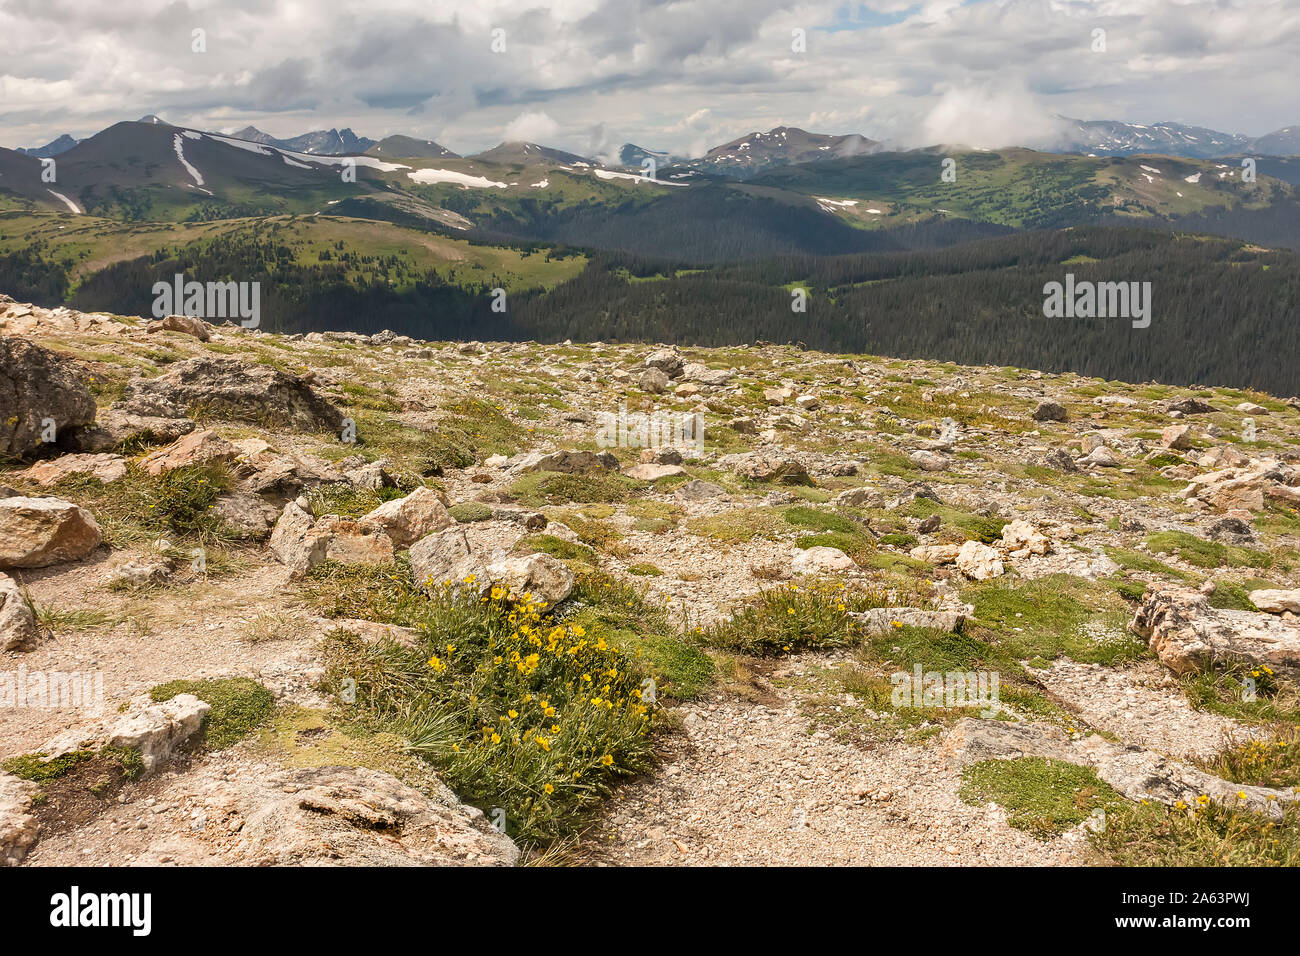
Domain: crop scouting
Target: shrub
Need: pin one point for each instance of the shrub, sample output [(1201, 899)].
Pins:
[(780, 620), (516, 709)]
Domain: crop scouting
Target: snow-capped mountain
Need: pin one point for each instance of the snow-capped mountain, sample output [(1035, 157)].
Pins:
[(784, 145), (321, 142), (1112, 138)]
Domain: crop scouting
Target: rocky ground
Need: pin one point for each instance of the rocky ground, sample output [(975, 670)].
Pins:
[(174, 497)]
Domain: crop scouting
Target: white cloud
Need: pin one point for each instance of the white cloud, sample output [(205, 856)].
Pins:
[(678, 75), (532, 127)]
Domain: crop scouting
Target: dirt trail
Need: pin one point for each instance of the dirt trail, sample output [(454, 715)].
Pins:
[(750, 785)]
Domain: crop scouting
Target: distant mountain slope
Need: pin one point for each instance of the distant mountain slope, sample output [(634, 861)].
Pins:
[(1282, 142), (408, 147), (1112, 138), (52, 148), (529, 154)]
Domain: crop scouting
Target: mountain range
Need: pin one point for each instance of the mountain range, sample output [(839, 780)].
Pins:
[(745, 155)]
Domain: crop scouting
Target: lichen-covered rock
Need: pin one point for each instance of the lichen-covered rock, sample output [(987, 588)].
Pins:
[(242, 391), (154, 728)]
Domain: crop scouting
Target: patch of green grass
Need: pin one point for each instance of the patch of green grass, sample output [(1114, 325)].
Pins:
[(818, 520), (1137, 561), (140, 506), (35, 768), (781, 620), (1054, 616), (1206, 554), (1234, 596), (1042, 797), (644, 569), (542, 488), (469, 511), (1272, 761), (620, 610), (1243, 692), (239, 705), (974, 527), (347, 501), (556, 548)]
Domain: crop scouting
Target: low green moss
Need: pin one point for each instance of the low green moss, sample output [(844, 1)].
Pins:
[(239, 705)]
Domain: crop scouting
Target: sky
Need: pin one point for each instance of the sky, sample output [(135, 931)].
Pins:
[(679, 75)]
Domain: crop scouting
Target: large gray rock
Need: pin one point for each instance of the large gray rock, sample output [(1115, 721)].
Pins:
[(440, 557), (240, 391), (324, 816), (38, 532), (1188, 635), (768, 466), (38, 387), (571, 462)]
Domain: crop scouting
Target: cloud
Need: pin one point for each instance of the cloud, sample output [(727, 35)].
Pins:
[(985, 116), (534, 127), (669, 74)]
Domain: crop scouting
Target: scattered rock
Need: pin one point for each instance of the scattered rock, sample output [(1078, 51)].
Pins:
[(978, 561), (409, 519), (768, 466), (648, 472), (1177, 437), (1276, 600), (38, 532), (187, 324), (154, 728), (107, 468), (571, 462), (697, 490), (820, 560), (1050, 412), (1188, 635), (199, 448)]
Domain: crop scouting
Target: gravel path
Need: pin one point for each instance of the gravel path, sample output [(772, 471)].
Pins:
[(751, 786)]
